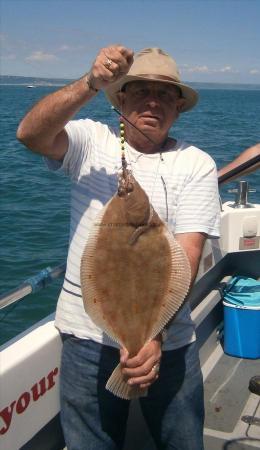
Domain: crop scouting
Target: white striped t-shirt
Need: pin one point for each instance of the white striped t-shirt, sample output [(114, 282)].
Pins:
[(181, 184)]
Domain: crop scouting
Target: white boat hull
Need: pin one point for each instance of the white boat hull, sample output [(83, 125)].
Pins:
[(29, 384)]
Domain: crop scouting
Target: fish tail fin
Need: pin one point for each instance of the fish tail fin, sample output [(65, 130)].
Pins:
[(119, 387)]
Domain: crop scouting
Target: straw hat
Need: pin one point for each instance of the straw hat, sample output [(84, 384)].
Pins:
[(155, 65)]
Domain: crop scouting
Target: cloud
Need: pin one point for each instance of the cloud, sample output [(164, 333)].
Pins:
[(65, 48), (199, 69), (41, 56), (226, 69), (72, 48), (254, 72), (206, 69)]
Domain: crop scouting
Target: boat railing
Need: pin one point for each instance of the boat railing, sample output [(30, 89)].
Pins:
[(249, 165), (32, 284)]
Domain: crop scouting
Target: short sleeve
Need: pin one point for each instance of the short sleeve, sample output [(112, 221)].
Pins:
[(80, 135), (198, 208)]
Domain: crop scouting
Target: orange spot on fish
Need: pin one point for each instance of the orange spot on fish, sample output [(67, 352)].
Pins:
[(104, 291), (136, 309)]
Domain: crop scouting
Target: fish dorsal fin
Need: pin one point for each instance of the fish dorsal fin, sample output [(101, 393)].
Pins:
[(93, 304), (178, 286)]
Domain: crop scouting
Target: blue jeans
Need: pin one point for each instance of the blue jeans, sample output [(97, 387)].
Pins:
[(94, 419)]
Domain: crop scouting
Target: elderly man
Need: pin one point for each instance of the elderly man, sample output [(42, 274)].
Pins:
[(181, 183)]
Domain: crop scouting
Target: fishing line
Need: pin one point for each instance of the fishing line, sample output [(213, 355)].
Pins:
[(132, 125), (6, 313), (166, 198), (124, 163)]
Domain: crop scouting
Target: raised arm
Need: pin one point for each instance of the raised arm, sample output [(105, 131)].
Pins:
[(42, 129)]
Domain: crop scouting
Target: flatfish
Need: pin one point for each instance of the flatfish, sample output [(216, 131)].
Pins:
[(134, 274)]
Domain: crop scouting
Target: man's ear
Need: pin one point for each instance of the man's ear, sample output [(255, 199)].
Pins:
[(180, 104)]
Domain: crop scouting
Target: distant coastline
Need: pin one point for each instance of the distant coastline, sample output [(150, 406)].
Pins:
[(15, 80)]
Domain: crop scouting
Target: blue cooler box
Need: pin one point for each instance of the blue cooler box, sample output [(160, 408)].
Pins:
[(242, 331), (242, 318)]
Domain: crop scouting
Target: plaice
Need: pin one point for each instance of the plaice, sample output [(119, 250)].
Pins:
[(134, 274)]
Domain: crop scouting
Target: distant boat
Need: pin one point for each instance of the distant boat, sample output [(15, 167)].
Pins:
[(30, 86)]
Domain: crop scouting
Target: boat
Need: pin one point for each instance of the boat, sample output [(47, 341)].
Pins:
[(31, 86), (30, 363)]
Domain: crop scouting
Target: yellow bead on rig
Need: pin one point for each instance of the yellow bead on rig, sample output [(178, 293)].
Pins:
[(122, 141), (122, 134)]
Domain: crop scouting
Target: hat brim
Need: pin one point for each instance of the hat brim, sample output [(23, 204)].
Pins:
[(189, 95)]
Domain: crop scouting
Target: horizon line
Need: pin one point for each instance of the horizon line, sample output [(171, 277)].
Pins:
[(74, 79)]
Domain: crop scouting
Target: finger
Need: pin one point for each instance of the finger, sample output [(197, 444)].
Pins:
[(135, 362), (111, 63), (121, 56), (142, 370), (115, 67), (147, 385), (144, 381), (118, 51), (151, 351), (127, 52), (100, 72), (123, 355), (106, 70)]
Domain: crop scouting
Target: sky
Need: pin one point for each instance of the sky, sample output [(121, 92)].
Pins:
[(211, 40)]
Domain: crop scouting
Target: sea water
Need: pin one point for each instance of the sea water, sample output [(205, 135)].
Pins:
[(34, 223)]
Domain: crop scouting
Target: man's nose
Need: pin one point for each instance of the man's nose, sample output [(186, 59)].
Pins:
[(153, 98)]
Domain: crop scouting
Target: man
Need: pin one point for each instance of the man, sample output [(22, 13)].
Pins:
[(182, 185)]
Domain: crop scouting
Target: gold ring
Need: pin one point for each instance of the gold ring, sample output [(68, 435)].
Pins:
[(108, 63), (156, 368)]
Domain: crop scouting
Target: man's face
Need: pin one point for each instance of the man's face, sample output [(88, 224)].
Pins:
[(151, 106)]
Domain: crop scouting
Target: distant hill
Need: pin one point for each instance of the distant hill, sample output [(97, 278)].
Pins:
[(231, 86), (37, 81), (33, 81)]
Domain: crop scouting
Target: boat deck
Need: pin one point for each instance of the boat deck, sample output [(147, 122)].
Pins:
[(229, 377), (227, 401)]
